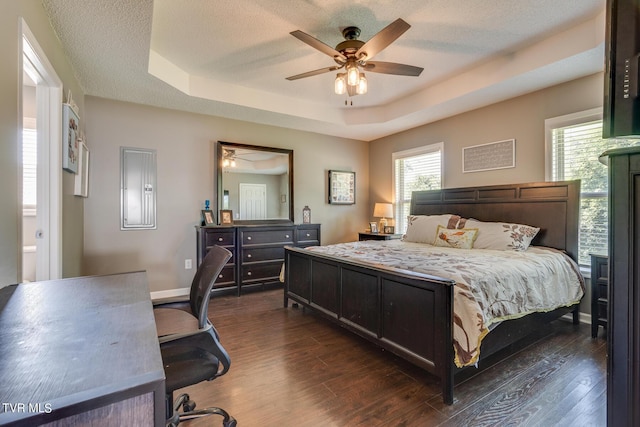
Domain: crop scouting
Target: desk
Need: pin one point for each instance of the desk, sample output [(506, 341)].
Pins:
[(79, 350)]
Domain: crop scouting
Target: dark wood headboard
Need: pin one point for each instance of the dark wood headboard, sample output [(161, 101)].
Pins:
[(552, 206)]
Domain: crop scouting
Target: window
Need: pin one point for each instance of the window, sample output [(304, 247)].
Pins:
[(574, 143), (29, 164), (413, 170)]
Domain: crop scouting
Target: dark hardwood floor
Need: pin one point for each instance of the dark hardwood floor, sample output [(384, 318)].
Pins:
[(291, 368)]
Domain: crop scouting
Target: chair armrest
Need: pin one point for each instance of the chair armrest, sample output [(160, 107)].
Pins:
[(174, 337)]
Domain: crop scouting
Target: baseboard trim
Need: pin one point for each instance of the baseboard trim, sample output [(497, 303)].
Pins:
[(584, 318), (169, 293)]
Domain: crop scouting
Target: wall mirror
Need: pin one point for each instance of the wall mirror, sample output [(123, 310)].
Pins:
[(255, 183)]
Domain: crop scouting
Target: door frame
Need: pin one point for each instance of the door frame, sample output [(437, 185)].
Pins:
[(49, 90)]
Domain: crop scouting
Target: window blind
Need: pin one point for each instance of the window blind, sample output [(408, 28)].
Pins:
[(413, 171), (575, 152), (29, 167)]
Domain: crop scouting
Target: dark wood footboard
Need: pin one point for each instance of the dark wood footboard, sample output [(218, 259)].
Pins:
[(385, 306), (381, 306)]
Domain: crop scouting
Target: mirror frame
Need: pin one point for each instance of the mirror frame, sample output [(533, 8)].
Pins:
[(232, 145)]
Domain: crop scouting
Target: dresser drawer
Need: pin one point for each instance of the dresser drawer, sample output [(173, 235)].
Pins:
[(260, 271), (256, 237), (307, 234), (226, 277), (262, 254), (219, 237)]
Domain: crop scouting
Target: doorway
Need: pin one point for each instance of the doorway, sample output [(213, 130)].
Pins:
[(41, 101), (253, 201)]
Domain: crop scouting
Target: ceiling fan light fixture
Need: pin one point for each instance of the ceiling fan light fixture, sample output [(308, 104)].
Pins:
[(340, 85), (353, 75), (362, 85)]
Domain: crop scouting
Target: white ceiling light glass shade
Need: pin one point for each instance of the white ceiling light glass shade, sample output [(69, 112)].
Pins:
[(353, 75), (362, 85), (340, 86)]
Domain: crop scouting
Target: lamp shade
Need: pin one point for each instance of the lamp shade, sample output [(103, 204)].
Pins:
[(383, 210)]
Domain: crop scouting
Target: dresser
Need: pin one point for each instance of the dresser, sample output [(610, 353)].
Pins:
[(257, 252), (623, 326), (599, 292)]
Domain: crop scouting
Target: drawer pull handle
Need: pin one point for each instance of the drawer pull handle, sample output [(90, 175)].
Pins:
[(249, 256), (219, 239), (286, 236), (220, 276), (249, 273), (308, 235), (249, 238)]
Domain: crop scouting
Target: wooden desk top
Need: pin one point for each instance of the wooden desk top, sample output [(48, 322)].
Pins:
[(76, 344)]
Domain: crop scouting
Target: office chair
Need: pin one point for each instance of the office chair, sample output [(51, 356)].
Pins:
[(192, 357)]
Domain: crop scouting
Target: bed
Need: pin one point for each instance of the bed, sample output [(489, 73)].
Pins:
[(410, 312)]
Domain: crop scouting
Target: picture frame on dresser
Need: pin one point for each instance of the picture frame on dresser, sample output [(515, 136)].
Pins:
[(226, 217), (373, 226), (207, 217)]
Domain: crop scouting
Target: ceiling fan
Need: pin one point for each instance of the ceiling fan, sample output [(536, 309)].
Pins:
[(353, 54)]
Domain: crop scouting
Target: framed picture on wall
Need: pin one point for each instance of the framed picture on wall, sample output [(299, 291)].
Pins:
[(342, 187), (70, 139)]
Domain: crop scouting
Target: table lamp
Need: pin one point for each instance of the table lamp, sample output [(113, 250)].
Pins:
[(383, 211)]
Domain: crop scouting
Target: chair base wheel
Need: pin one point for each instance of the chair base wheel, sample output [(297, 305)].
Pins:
[(190, 413), (189, 406)]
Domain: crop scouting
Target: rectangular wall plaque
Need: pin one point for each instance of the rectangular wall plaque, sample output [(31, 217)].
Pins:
[(494, 155)]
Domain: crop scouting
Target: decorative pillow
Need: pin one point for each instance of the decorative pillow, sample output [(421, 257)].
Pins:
[(457, 238), (502, 236), (422, 228)]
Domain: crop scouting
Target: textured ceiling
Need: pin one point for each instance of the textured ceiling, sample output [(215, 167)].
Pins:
[(230, 58)]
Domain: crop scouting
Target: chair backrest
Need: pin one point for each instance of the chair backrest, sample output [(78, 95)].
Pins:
[(203, 282)]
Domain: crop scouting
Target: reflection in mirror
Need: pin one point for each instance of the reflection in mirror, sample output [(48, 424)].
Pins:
[(255, 183)]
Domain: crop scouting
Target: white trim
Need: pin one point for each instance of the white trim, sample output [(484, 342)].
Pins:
[(169, 293), (49, 127), (562, 121)]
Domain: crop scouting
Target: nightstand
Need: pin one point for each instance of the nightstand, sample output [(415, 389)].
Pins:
[(364, 235), (599, 299)]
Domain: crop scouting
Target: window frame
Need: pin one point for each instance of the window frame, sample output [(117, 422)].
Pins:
[(412, 152), (577, 118)]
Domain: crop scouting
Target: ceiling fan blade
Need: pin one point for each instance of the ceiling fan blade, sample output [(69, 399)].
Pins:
[(384, 38), (392, 68), (314, 72), (317, 44)]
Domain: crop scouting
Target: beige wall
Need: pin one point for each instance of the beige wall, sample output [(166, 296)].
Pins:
[(10, 111), (520, 118), (185, 145)]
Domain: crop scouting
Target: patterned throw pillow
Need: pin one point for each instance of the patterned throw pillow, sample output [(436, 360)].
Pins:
[(456, 238), (422, 228), (502, 236)]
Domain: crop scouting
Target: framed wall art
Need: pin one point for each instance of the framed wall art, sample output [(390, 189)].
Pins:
[(491, 156), (342, 187), (81, 184), (70, 139)]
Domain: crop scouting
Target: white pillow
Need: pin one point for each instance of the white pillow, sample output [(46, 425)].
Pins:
[(422, 228), (502, 236)]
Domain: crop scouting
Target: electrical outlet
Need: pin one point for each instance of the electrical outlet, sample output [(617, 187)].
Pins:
[(187, 264)]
